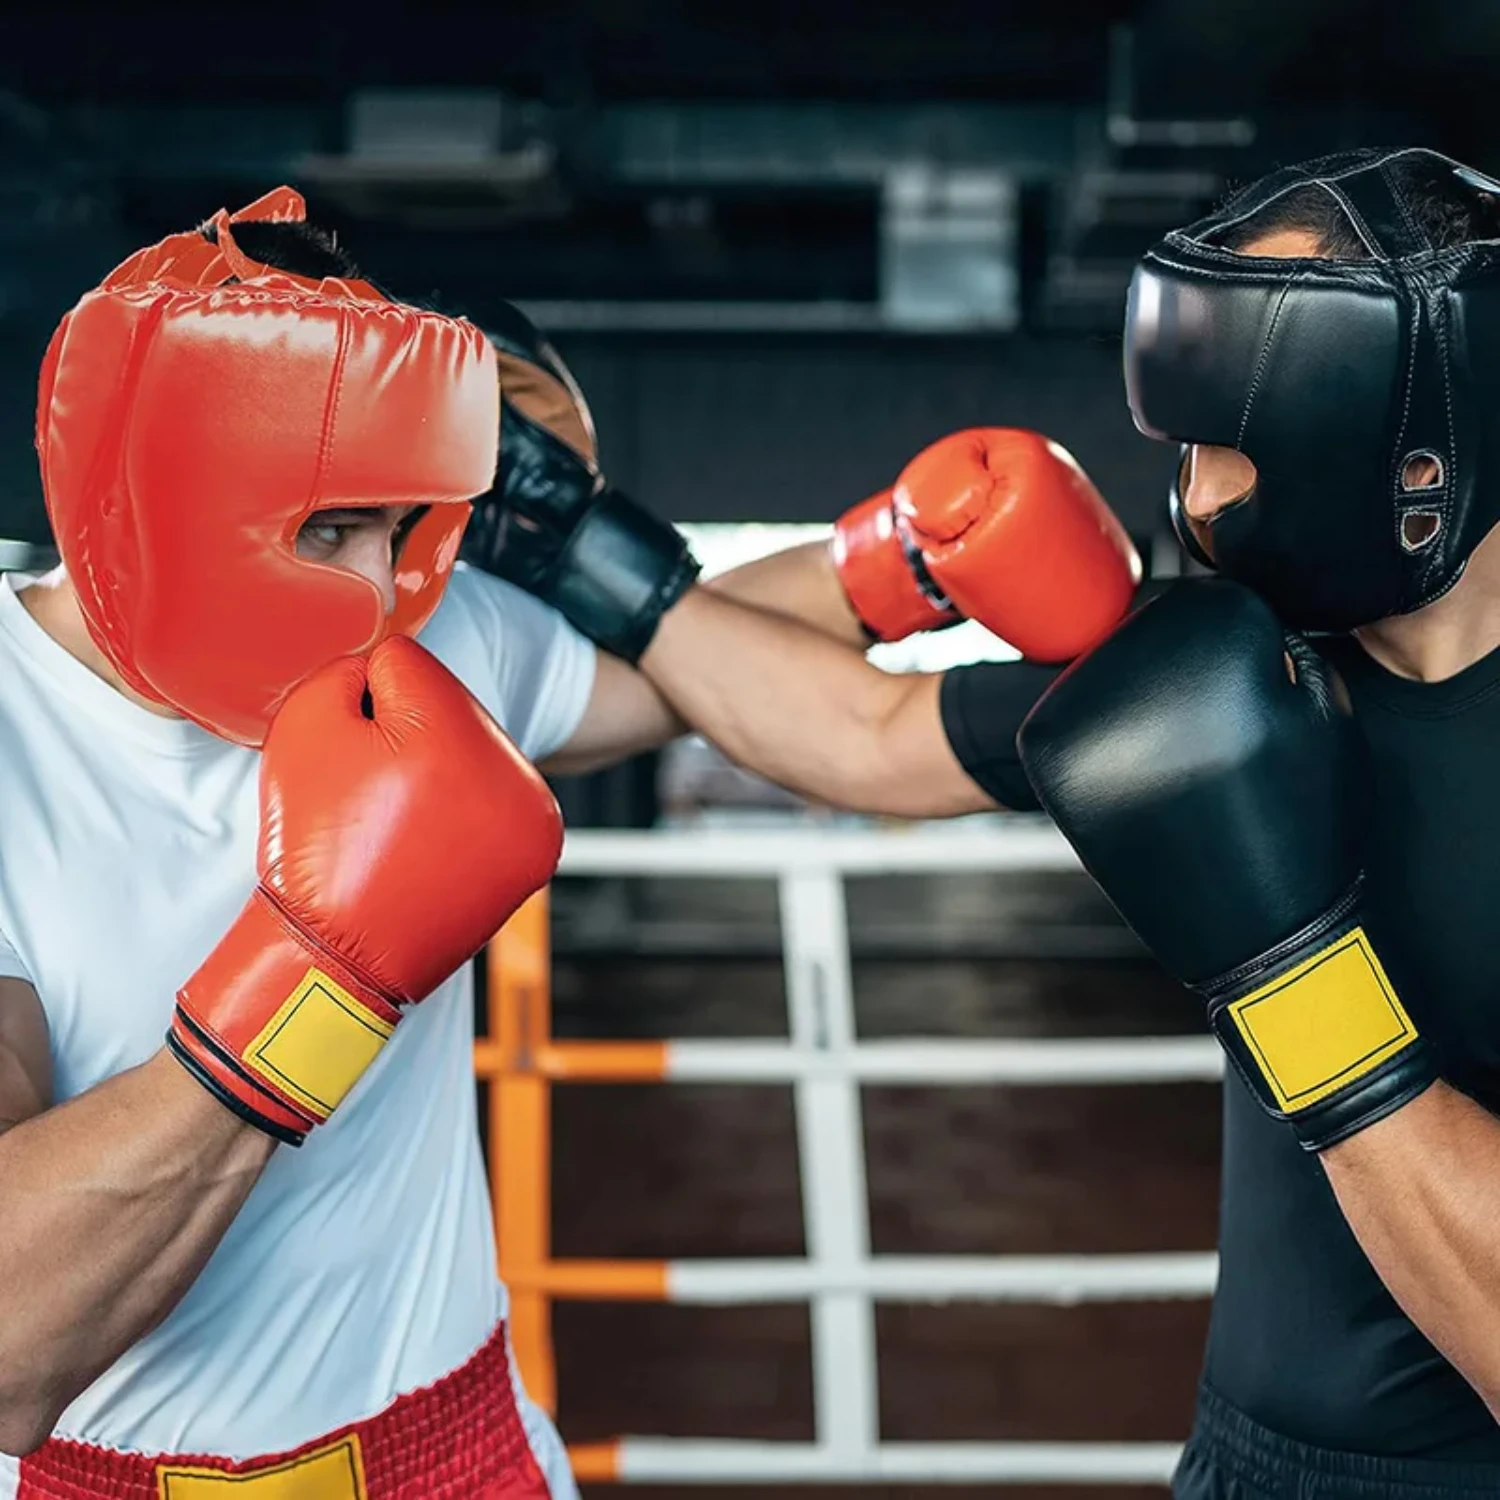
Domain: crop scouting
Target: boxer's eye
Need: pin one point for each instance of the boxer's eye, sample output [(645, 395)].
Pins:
[(325, 534), (321, 536), (329, 535)]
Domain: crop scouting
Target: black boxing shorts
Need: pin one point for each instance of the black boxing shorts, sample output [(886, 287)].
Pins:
[(1229, 1457)]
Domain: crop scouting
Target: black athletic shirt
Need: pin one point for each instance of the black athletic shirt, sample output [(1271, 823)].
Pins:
[(1305, 1339), (982, 708)]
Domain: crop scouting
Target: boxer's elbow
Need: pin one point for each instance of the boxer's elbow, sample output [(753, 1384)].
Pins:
[(26, 1422), (882, 788), (37, 1384), (899, 764)]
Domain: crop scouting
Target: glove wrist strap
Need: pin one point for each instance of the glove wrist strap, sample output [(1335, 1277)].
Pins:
[(1318, 1032), (281, 1025), (621, 571)]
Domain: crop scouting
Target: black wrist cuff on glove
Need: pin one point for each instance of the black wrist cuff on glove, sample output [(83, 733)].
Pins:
[(620, 571), (1318, 1033), (226, 1096)]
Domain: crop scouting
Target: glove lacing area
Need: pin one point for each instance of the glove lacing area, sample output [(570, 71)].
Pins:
[(1315, 676)]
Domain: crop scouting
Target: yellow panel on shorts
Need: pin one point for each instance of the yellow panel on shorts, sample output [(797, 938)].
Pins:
[(336, 1472), (318, 1043), (1324, 1024)]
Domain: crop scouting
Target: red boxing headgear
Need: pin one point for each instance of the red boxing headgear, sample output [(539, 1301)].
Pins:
[(195, 409)]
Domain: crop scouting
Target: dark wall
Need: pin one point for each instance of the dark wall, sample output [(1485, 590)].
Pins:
[(774, 428), (20, 495), (793, 429), (576, 50)]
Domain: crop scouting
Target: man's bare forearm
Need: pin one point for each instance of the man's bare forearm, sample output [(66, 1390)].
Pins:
[(800, 584), (807, 712), (768, 662), (114, 1202), (1421, 1190)]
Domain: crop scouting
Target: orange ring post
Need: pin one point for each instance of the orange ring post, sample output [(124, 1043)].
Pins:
[(597, 1280), (520, 1017), (521, 1061), (595, 1463), (579, 1062)]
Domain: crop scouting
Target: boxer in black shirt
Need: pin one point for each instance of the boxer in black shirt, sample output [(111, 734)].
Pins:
[(1298, 811)]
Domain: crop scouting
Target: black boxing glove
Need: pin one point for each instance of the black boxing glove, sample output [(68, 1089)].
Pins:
[(551, 524), (1220, 806)]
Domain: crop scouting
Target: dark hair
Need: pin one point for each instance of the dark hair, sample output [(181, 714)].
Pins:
[(1448, 209), (298, 248)]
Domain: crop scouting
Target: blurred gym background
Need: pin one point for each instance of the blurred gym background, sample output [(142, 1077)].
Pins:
[(783, 246)]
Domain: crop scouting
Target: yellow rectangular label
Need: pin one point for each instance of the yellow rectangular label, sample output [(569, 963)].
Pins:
[(318, 1044), (1321, 1025), (336, 1472)]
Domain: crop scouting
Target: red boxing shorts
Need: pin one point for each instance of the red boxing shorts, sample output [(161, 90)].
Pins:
[(459, 1439)]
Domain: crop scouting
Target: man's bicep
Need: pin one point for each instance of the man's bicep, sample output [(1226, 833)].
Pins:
[(25, 1054), (624, 716)]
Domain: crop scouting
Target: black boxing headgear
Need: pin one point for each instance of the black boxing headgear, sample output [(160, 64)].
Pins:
[(1349, 384)]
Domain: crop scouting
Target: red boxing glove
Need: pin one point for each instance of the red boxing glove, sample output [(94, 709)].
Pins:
[(395, 841), (997, 525)]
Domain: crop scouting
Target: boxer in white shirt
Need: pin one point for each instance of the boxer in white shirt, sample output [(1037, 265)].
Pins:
[(232, 460), (240, 502), (126, 848)]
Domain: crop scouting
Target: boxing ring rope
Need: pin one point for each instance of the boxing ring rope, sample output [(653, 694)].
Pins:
[(825, 1065)]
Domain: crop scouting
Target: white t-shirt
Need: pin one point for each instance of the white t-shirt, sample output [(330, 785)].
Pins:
[(363, 1264)]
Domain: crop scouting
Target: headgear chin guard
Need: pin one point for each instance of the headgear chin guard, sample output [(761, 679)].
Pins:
[(1350, 384), (195, 409)]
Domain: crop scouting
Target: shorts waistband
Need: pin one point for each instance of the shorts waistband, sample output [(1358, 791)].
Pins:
[(460, 1438), (1225, 1436)]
